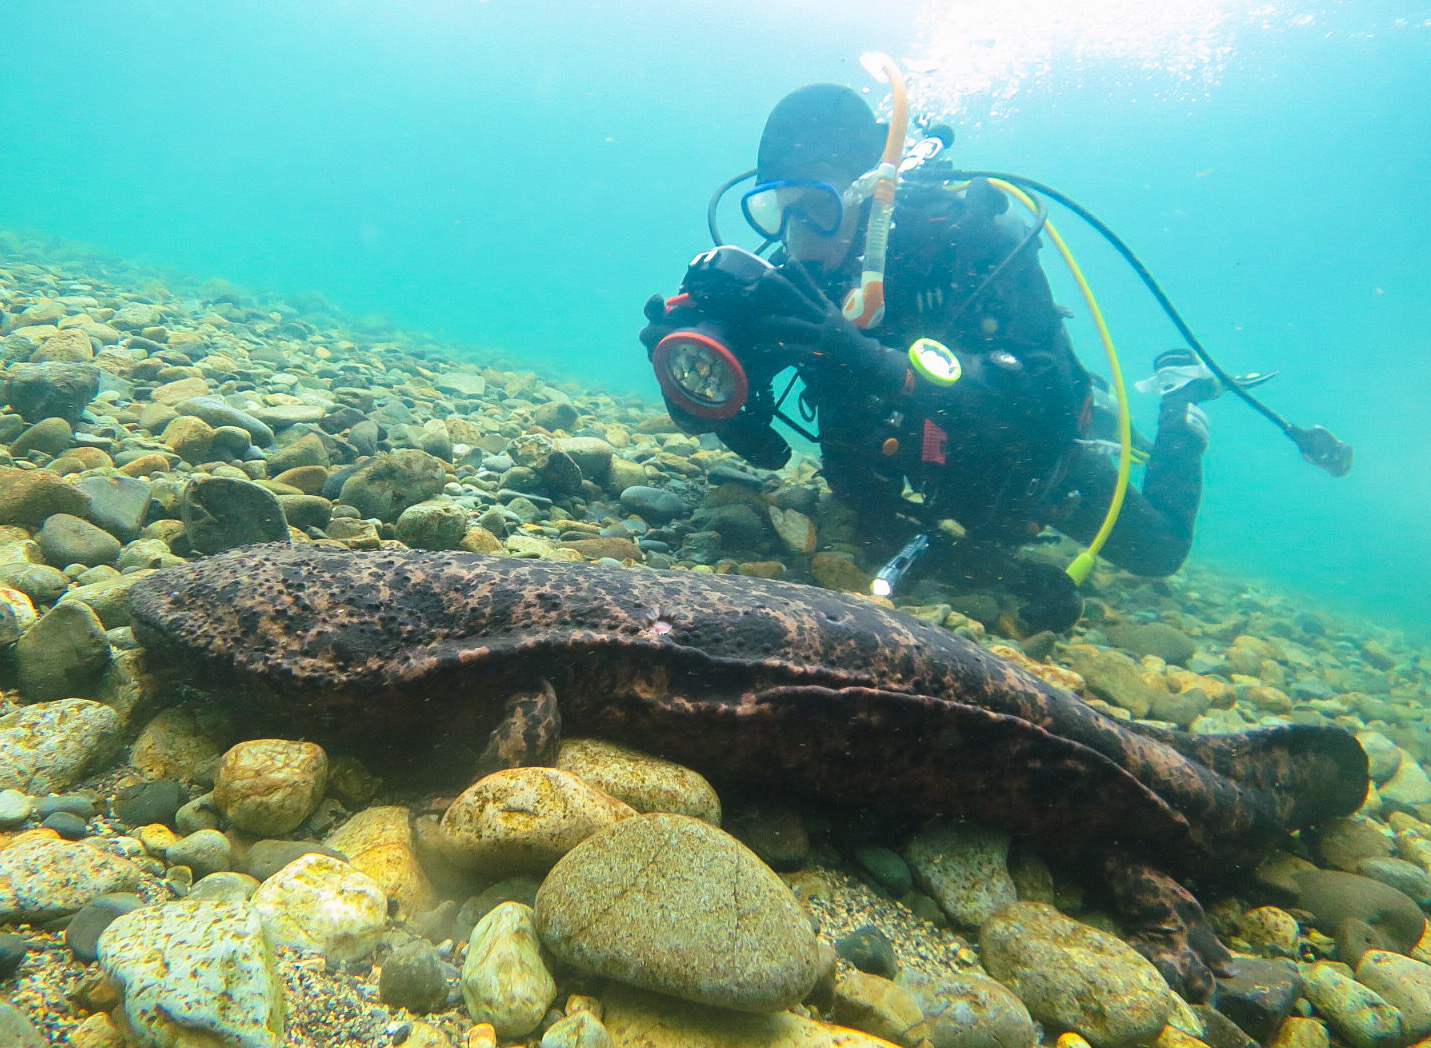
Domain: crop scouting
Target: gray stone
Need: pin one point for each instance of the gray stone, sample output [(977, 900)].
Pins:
[(268, 856), (592, 456), (964, 867), (888, 869), (1113, 676), (415, 977), (225, 886), (48, 746), (306, 511), (670, 903), (559, 475), (1074, 977), (85, 927), (62, 654), (656, 506), (51, 389), (1383, 755), (203, 851), (117, 504), (577, 1030), (869, 950), (67, 540), (1410, 785), (1153, 638), (149, 802), (220, 513), (1259, 995), (217, 413)]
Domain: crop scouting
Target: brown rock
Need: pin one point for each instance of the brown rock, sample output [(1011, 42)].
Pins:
[(307, 479), (29, 496), (268, 786), (649, 784), (837, 572), (145, 465), (69, 345), (172, 393), (190, 438)]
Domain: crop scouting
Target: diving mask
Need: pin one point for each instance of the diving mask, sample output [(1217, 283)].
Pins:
[(771, 206)]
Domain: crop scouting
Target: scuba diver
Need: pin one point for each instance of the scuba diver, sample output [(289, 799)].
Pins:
[(933, 360)]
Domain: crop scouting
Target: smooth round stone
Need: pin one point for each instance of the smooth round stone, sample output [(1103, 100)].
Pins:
[(1404, 983), (73, 803), (203, 851), (888, 869), (1074, 977), (146, 803), (869, 950), (654, 505), (1406, 877), (85, 927), (70, 540), (69, 826), (673, 904), (267, 857), (15, 808), (415, 977), (225, 886), (220, 513), (13, 949), (505, 981)]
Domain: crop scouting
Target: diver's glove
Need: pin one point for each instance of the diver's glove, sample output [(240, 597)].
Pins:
[(805, 319)]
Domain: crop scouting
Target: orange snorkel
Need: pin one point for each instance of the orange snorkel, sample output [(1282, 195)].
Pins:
[(864, 306)]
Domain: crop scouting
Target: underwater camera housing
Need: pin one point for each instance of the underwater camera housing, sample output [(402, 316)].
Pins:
[(710, 368)]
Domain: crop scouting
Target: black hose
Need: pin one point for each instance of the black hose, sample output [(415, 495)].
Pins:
[(1317, 444), (711, 208)]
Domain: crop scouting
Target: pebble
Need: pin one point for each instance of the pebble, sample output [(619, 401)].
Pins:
[(68, 825), (869, 950), (1358, 1014), (203, 851), (964, 867), (62, 654), (152, 801), (577, 1030), (15, 806), (380, 842), (415, 977), (196, 973), (1074, 977), (66, 539), (85, 927), (656, 506), (671, 903), (504, 980), (13, 950), (225, 886), (887, 868), (1259, 995), (220, 513)]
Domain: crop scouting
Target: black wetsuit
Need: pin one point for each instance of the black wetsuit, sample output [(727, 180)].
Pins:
[(1001, 450)]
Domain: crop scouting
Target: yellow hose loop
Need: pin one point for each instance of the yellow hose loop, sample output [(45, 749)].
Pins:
[(1082, 565)]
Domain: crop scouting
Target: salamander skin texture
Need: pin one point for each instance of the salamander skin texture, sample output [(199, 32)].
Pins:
[(461, 661)]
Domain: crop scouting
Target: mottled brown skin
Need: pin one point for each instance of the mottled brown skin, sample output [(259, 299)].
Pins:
[(742, 679)]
